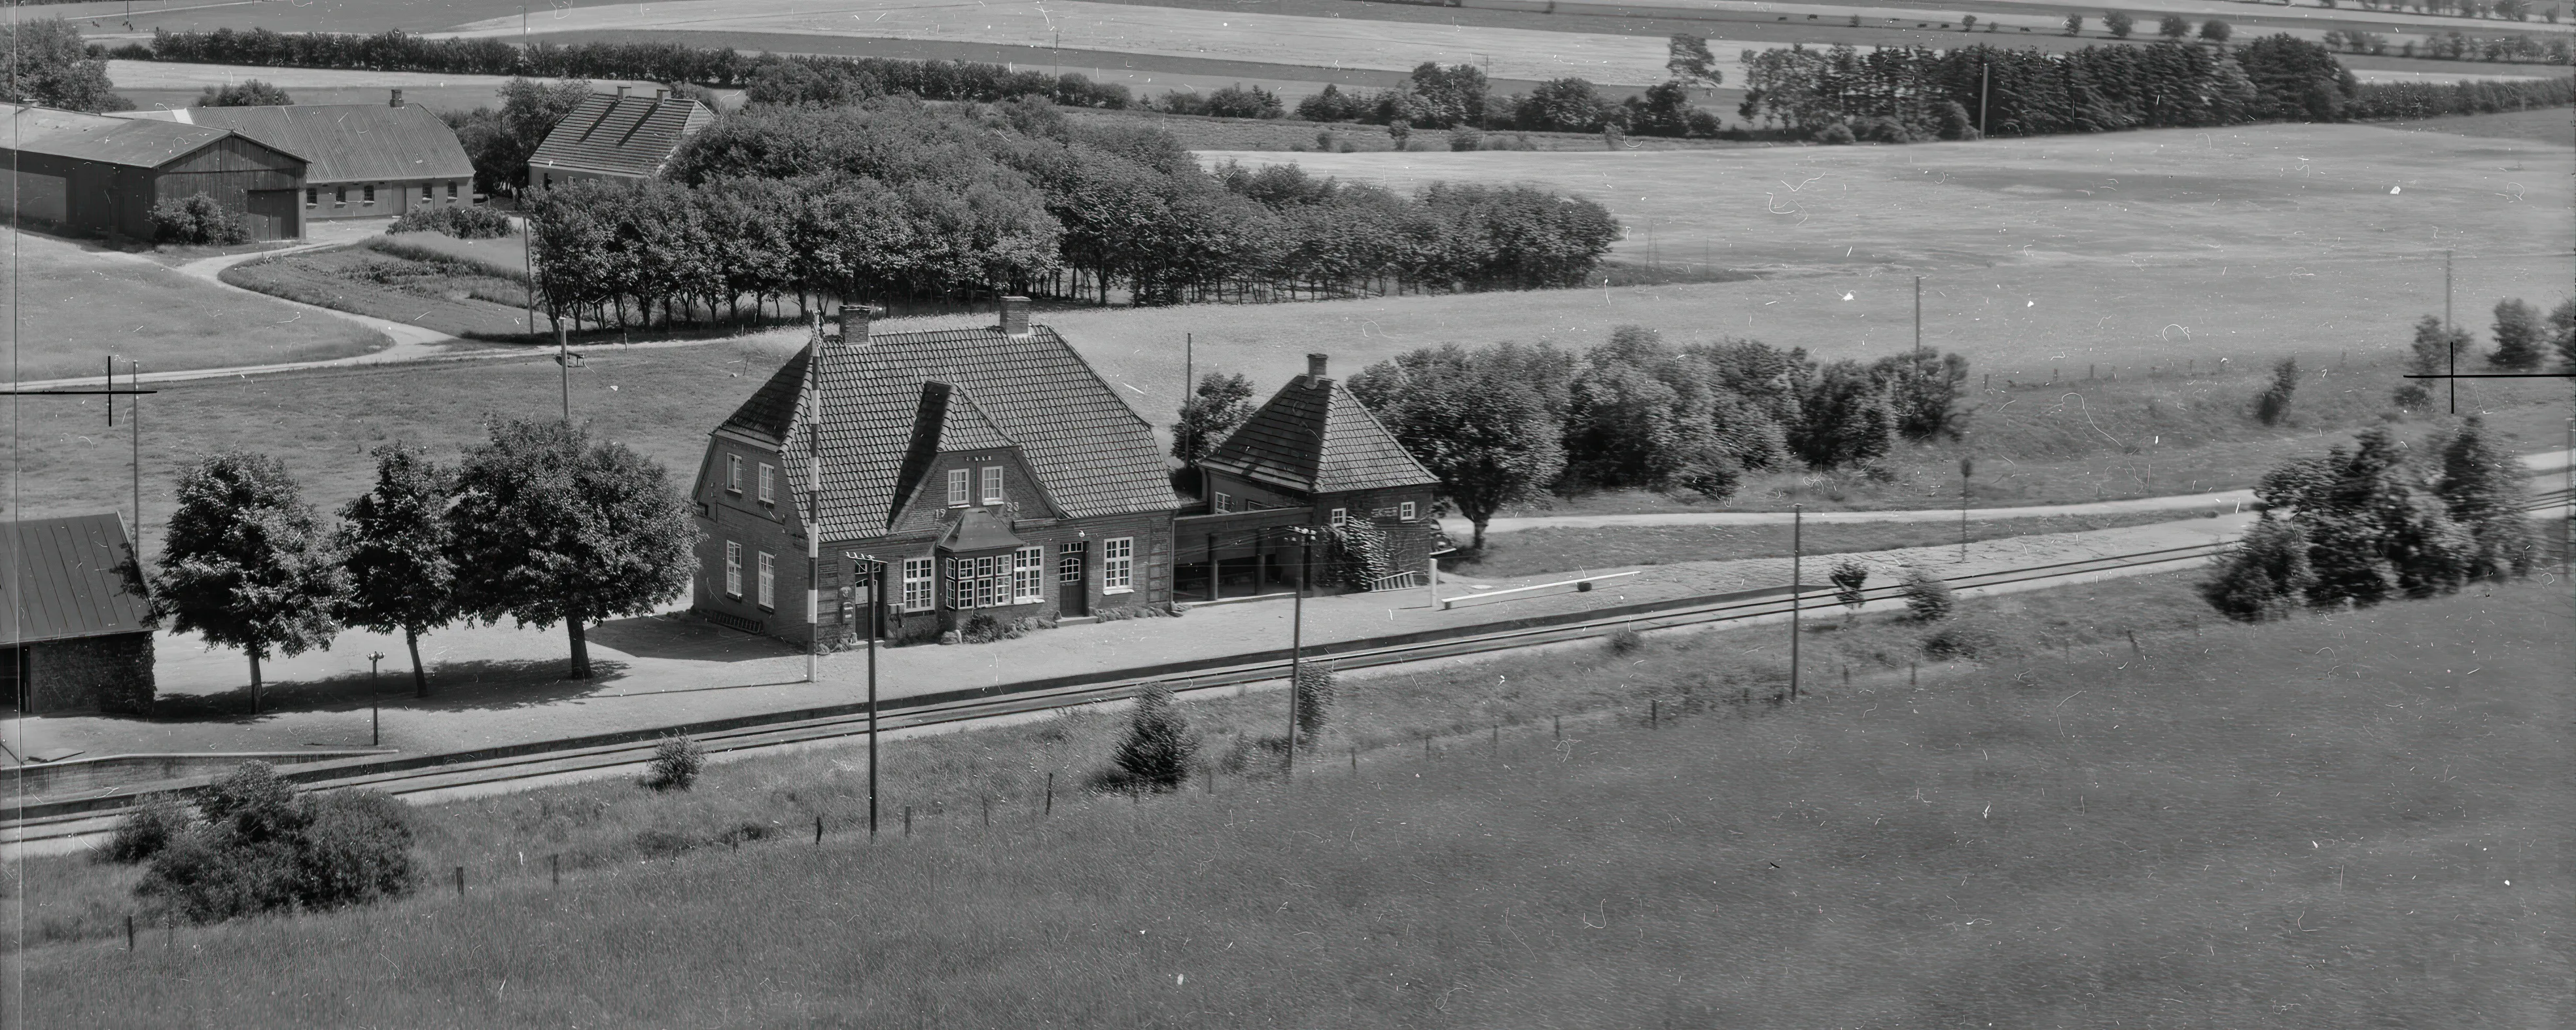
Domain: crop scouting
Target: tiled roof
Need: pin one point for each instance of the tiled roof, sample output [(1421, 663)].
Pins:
[(1315, 437), (621, 135), (133, 142), (1091, 454), (65, 578), (344, 142)]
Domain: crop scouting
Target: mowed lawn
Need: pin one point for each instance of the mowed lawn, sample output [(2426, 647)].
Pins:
[(75, 305), (2330, 823)]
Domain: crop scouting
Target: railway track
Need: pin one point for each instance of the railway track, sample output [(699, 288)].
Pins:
[(61, 830)]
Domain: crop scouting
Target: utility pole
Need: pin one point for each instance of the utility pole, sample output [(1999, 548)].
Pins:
[(876, 620), (1918, 314), (2449, 342), (527, 254), (1797, 559), (1189, 366), (1985, 77), (134, 380), (1967, 466), (1296, 637), (375, 717), (814, 499)]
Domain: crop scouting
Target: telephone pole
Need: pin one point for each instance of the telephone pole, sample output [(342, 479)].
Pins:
[(1918, 314), (2450, 343), (1797, 558)]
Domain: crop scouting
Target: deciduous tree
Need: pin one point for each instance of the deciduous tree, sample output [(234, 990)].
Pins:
[(1221, 402), (247, 93), (244, 563), (1484, 432), (394, 543), (2519, 336), (2482, 487), (44, 60)]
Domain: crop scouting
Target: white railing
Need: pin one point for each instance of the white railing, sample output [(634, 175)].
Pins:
[(1405, 580), (1517, 593)]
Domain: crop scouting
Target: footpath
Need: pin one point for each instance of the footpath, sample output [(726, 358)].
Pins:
[(497, 685)]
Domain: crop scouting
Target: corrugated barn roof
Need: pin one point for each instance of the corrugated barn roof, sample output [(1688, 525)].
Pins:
[(620, 134), (344, 142), (135, 142), (67, 577)]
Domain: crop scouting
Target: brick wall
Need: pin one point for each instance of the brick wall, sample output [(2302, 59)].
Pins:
[(91, 674)]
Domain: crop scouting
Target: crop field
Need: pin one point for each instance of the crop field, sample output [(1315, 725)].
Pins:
[(2555, 126), (152, 84), (2325, 823), (71, 304)]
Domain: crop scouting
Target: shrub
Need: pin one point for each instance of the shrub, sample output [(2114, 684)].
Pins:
[(1927, 597), (2273, 404), (983, 628), (2264, 576), (1835, 135), (1158, 748), (1880, 129), (248, 93), (1848, 576), (1965, 639), (262, 847), (1627, 641), (464, 223), (1466, 137), (1955, 123), (2518, 336), (1315, 692), (676, 764), (197, 219), (144, 830), (2215, 31)]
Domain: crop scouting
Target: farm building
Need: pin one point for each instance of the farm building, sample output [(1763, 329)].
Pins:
[(88, 174), (79, 638), (991, 470), (1314, 457), (368, 160), (616, 136)]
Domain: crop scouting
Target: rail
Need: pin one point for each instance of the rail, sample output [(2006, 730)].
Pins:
[(1580, 585)]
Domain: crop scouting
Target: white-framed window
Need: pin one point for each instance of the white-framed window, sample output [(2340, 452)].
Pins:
[(733, 474), (991, 589), (733, 570), (950, 583), (1068, 562), (768, 580), (1028, 574), (917, 595), (768, 483), (960, 481), (1118, 565), (1224, 503), (1341, 515), (1405, 511), (993, 485)]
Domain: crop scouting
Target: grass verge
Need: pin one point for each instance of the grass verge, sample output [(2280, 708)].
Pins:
[(73, 305), (447, 295), (1526, 552), (2318, 824)]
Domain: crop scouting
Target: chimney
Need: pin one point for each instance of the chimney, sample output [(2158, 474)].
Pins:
[(397, 100), (1315, 368), (621, 92), (1015, 316), (854, 324), (659, 92)]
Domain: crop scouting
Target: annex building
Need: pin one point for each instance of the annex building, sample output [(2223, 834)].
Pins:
[(78, 637), (100, 175), (364, 160), (618, 136)]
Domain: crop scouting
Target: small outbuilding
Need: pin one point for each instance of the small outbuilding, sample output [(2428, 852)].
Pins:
[(617, 136), (78, 633), (368, 160), (100, 175)]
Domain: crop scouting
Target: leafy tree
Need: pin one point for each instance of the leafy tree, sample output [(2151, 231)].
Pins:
[(1158, 747), (1924, 388), (44, 61), (245, 565), (1445, 97), (2117, 23), (2562, 331), (1315, 694), (1849, 576), (2481, 486), (549, 528), (499, 142), (2215, 31), (1487, 433), (1220, 404), (2264, 576), (1927, 598), (2174, 27), (2074, 25), (1642, 415), (247, 93), (1330, 104), (2295, 79), (2518, 336), (2375, 528), (1689, 61), (1846, 418), (2432, 353), (394, 540), (2273, 404), (1666, 110), (1562, 105)]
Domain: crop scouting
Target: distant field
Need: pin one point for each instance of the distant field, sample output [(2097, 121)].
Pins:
[(76, 304), (157, 84), (2555, 126), (2323, 824)]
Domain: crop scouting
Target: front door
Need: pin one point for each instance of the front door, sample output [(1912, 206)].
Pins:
[(1072, 578)]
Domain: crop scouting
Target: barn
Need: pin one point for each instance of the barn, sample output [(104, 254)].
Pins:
[(97, 175), (79, 634), (368, 160)]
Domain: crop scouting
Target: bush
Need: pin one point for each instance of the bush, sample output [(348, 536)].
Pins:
[(2518, 336), (1466, 137), (248, 93), (144, 830), (2273, 404), (1848, 576), (2264, 576), (677, 761), (1315, 692), (1158, 748), (1955, 123), (1964, 640), (1627, 641), (464, 223), (1835, 135), (197, 219), (1927, 597), (262, 848), (1880, 129)]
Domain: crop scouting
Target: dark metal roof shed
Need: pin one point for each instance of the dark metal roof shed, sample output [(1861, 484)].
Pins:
[(134, 142), (345, 143), (70, 577)]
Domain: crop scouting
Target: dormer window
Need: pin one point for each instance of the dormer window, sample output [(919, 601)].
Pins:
[(993, 485), (960, 484)]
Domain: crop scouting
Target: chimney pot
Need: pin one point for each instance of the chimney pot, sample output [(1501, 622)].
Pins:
[(621, 92), (1015, 316), (854, 324), (397, 98), (1315, 368), (661, 91)]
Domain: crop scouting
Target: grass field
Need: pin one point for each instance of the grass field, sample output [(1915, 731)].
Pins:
[(447, 296), (71, 304), (2555, 126), (2323, 824), (1201, 132), (152, 84), (1527, 552)]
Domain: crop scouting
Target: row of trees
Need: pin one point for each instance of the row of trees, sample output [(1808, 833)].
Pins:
[(1458, 96), (537, 524), (1510, 423), (2524, 340), (893, 197), (2456, 46), (2514, 10), (2375, 522)]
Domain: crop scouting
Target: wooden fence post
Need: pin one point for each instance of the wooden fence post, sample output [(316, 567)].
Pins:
[(907, 820), (129, 931), (1654, 713), (460, 881), (818, 829), (1050, 800), (554, 866)]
